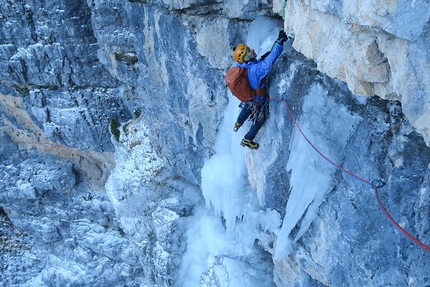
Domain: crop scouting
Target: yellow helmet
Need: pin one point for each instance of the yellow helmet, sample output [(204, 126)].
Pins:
[(240, 53)]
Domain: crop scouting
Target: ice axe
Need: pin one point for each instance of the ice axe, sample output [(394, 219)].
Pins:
[(283, 21)]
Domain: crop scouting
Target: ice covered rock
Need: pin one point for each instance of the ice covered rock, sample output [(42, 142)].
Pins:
[(111, 110)]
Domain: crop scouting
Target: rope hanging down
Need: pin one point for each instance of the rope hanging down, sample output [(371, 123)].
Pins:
[(375, 184)]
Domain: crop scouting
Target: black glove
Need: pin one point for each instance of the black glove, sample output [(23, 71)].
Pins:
[(265, 55), (282, 37)]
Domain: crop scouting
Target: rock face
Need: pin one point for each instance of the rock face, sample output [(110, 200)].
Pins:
[(376, 47), (107, 107), (349, 235)]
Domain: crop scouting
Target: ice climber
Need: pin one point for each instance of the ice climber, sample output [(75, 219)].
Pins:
[(258, 109)]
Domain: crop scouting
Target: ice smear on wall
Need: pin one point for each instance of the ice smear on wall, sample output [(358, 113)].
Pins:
[(311, 174), (224, 175), (223, 233)]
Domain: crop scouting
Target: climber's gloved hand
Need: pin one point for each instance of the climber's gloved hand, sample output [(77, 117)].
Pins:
[(282, 37), (265, 55)]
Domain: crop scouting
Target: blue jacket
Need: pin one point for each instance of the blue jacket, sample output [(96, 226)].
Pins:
[(258, 69)]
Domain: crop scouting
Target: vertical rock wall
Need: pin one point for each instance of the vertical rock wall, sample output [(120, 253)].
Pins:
[(80, 81), (71, 74), (376, 47), (342, 236), (58, 105)]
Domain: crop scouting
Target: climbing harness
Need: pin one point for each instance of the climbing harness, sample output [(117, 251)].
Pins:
[(259, 111), (375, 184)]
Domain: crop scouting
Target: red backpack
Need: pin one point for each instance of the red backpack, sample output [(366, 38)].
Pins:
[(237, 81)]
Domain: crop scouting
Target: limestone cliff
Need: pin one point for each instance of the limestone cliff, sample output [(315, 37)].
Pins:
[(109, 109), (377, 47)]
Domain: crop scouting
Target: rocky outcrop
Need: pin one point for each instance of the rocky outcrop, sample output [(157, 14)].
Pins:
[(108, 108), (377, 47), (342, 236), (58, 106)]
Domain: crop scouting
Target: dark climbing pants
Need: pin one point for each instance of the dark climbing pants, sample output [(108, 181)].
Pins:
[(256, 124)]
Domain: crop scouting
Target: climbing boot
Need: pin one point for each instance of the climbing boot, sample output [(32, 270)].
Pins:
[(236, 126), (249, 143)]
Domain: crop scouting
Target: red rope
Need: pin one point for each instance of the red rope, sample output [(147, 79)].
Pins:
[(425, 247)]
